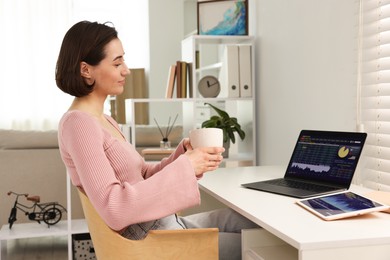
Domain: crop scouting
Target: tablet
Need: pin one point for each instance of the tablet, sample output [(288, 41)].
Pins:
[(341, 205)]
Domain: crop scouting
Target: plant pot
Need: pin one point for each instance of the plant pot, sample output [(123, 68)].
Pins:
[(226, 145)]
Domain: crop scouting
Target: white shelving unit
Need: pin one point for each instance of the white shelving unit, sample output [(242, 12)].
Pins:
[(208, 50), (66, 227), (206, 53)]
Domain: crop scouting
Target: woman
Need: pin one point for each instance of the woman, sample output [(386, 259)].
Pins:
[(131, 196)]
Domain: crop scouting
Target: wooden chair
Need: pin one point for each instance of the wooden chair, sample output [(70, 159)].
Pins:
[(159, 244)]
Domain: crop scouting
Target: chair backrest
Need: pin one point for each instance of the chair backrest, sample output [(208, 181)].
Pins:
[(159, 244)]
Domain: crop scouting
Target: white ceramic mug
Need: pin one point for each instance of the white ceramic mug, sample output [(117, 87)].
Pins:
[(206, 137)]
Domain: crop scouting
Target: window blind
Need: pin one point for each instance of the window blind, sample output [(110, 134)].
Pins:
[(374, 84)]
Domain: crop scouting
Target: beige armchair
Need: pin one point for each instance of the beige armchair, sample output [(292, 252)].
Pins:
[(159, 244)]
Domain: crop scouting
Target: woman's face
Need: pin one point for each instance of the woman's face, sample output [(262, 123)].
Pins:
[(110, 73)]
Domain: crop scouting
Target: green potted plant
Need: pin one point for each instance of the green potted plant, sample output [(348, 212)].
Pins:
[(229, 126)]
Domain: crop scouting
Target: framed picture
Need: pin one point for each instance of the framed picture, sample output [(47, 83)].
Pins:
[(223, 17)]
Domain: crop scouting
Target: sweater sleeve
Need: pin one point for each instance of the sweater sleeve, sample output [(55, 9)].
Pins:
[(122, 200), (151, 168)]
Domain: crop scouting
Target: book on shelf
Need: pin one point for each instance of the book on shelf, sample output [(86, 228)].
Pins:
[(179, 79), (189, 77), (171, 81), (197, 61), (183, 79)]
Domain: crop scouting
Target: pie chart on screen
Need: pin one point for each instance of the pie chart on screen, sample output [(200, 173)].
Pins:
[(343, 152)]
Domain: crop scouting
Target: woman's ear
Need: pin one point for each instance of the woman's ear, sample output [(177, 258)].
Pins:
[(85, 71)]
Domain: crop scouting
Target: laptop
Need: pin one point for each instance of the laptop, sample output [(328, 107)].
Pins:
[(322, 162)]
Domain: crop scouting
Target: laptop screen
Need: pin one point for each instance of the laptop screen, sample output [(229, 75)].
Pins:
[(329, 157)]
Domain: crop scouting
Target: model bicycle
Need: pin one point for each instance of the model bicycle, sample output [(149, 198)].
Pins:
[(50, 212)]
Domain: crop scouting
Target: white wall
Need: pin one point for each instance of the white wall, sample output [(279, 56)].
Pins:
[(130, 20), (306, 71), (166, 33)]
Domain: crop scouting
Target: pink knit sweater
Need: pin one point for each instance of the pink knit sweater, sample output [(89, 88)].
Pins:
[(122, 187)]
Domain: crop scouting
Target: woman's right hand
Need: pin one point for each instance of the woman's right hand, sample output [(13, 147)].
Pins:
[(205, 159)]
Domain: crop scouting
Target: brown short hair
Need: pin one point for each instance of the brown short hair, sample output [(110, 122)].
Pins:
[(84, 41)]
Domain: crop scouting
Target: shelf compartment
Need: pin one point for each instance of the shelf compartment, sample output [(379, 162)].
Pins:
[(34, 229)]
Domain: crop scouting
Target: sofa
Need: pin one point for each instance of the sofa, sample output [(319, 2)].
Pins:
[(30, 162)]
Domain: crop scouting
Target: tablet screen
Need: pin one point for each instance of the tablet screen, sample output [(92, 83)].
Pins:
[(341, 205)]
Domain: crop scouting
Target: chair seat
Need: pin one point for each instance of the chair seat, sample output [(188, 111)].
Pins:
[(159, 244)]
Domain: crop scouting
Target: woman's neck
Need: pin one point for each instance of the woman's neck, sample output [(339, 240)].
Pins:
[(89, 105)]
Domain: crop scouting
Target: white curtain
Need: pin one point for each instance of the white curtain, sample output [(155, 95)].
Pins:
[(31, 37), (374, 84), (32, 32)]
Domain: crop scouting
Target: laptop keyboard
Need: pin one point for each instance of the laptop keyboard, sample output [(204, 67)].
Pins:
[(299, 185)]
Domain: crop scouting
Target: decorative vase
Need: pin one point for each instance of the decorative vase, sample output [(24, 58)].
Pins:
[(165, 144), (226, 145)]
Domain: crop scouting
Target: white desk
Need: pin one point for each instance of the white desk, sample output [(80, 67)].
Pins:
[(287, 225)]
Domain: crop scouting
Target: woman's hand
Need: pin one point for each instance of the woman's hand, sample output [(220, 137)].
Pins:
[(204, 159), (187, 144)]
